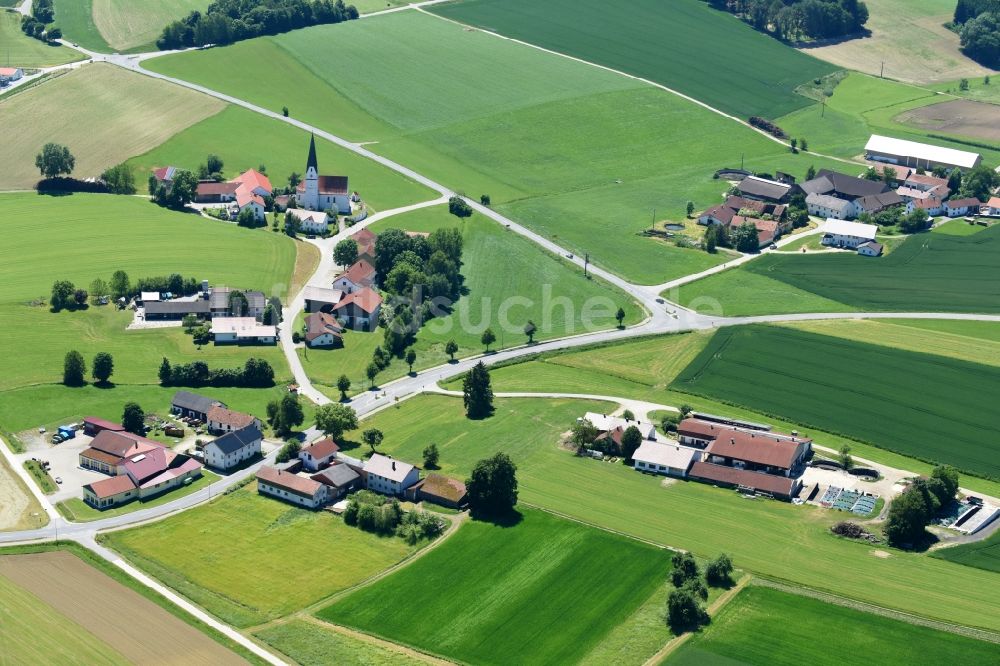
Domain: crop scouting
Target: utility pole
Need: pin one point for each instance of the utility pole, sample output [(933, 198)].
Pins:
[(823, 112), (586, 260), (881, 70), (652, 223), (741, 161)]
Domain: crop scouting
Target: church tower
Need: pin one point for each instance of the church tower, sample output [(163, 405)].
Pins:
[(311, 198)]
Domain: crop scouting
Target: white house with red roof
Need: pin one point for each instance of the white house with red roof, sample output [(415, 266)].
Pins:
[(361, 274), (10, 74), (319, 455), (359, 309), (318, 192), (151, 472)]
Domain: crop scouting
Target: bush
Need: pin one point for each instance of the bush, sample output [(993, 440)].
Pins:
[(684, 612), (458, 207), (719, 572)]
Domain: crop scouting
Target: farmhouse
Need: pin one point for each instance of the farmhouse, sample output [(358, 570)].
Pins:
[(233, 448), (109, 449), (210, 191), (321, 299), (762, 189), (780, 487), (339, 479), (829, 206), (870, 249), (248, 190), (318, 455), (255, 182), (311, 221), (839, 233), (960, 207), (323, 330), (243, 330), (668, 459), (829, 185), (224, 301), (359, 309), (142, 476), (291, 487), (932, 205), (361, 274), (387, 476), (992, 207), (365, 240), (9, 74), (899, 172), (723, 214), (876, 203), (918, 155), (606, 424), (222, 420), (318, 192), (758, 451), (165, 176), (192, 405), (439, 489), (767, 230)]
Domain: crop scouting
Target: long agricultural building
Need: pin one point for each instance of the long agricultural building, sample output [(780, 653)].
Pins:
[(918, 155)]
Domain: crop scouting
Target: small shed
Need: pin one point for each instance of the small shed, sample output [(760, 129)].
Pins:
[(67, 432)]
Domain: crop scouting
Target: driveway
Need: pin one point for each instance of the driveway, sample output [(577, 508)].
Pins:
[(65, 461)]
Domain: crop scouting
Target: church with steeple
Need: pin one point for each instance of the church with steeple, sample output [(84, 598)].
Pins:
[(316, 192)]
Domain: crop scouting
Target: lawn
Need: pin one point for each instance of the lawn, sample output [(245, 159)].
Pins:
[(19, 50), (136, 24), (863, 105), (577, 153), (926, 273), (983, 554), (921, 405), (496, 594), (772, 538), (957, 228), (766, 626), (76, 18), (282, 149), (78, 511), (312, 643), (114, 115), (249, 559), (753, 75)]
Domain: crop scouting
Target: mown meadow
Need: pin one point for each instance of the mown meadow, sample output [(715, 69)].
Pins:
[(983, 554)]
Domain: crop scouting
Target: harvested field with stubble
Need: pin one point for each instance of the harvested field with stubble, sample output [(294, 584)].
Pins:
[(130, 625), (964, 117)]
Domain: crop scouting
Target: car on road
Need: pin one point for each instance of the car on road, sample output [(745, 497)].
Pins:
[(59, 479), (660, 301)]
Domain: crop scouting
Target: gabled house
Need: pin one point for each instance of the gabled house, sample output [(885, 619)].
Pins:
[(359, 309), (365, 239), (605, 424), (829, 206), (389, 477), (222, 304), (932, 205), (234, 447), (870, 249), (361, 274), (222, 420), (320, 298), (323, 330), (992, 207), (110, 449), (165, 176), (243, 331), (839, 233), (246, 199), (439, 489), (291, 487), (960, 207), (255, 182), (210, 191), (762, 189), (192, 405), (667, 459), (339, 479), (311, 221), (318, 455), (93, 425), (10, 74), (142, 475), (876, 203)]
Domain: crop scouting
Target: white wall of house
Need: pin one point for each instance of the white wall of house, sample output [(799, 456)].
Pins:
[(325, 340), (380, 484), (215, 458), (309, 502), (175, 482), (315, 464), (644, 466)]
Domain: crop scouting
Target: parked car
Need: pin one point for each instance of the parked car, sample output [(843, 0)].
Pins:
[(57, 439), (59, 479)]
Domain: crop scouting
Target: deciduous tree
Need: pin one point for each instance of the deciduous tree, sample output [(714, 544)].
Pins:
[(492, 488), (478, 392), (336, 419), (134, 419), (55, 160), (103, 367), (74, 369)]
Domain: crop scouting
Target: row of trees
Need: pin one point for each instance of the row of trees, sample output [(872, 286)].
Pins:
[(797, 19), (227, 21), (978, 24), (255, 373), (176, 194), (75, 368), (55, 160), (685, 611), (37, 23), (915, 507)]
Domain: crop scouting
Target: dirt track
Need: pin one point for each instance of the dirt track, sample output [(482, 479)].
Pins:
[(14, 500), (139, 629), (961, 116)]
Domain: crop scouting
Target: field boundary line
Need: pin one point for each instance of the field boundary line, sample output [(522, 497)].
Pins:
[(634, 78), (863, 606), (565, 516), (376, 640)]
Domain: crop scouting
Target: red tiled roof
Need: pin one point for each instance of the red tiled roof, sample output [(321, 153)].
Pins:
[(359, 272), (756, 447), (103, 424), (211, 188), (770, 483), (188, 465), (365, 299), (288, 481), (229, 417), (722, 213), (365, 240), (963, 203), (321, 323), (322, 449), (122, 444), (111, 486), (100, 456), (254, 179), (928, 180), (8, 71), (245, 195)]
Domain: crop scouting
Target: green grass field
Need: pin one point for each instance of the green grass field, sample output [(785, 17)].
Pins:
[(114, 115), (134, 24), (933, 272), (766, 626), (311, 643), (575, 152), (957, 228), (19, 50), (499, 594), (863, 105), (27, 619), (743, 73), (76, 18), (771, 538), (249, 559), (921, 405), (282, 149), (983, 554)]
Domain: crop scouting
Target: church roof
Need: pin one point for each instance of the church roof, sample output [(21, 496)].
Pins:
[(311, 162)]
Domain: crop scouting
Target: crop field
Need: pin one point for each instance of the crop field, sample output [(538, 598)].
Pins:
[(495, 594), (926, 273), (282, 149), (983, 554), (776, 539), (863, 105), (766, 626), (505, 119), (752, 75), (925, 406), (19, 510), (57, 608), (310, 643), (115, 114), (127, 24), (76, 18), (960, 116), (23, 51), (909, 42)]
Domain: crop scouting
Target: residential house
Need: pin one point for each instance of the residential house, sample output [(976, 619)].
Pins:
[(165, 176), (960, 207), (870, 249), (323, 330), (840, 233), (873, 204), (932, 205), (311, 221), (667, 459), (605, 423), (779, 487), (210, 191), (359, 309), (243, 331), (317, 192), (321, 299), (841, 186), (918, 155), (767, 230), (439, 489), (762, 189), (246, 199), (223, 420), (292, 487), (255, 182), (339, 479), (234, 448), (319, 455), (93, 425), (899, 172), (142, 476), (389, 477), (759, 451), (221, 303), (992, 207), (829, 206), (365, 239), (721, 215), (192, 405), (360, 275), (10, 74)]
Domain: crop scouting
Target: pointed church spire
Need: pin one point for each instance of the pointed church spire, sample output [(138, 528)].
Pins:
[(312, 154)]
